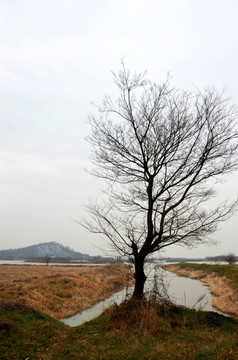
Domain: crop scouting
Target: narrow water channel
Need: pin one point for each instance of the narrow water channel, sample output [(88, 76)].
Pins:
[(99, 308), (184, 291), (181, 290)]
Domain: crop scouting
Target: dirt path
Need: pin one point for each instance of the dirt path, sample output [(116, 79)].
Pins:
[(61, 291), (225, 299)]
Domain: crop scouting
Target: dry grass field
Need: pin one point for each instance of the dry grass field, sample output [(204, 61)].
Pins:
[(61, 291)]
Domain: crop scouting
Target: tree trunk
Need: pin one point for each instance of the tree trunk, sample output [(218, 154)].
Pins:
[(140, 278)]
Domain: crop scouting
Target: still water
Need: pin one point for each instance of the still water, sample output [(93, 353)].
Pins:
[(181, 290), (99, 308)]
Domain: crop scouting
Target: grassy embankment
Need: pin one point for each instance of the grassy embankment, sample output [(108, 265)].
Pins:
[(126, 332), (143, 330), (230, 271)]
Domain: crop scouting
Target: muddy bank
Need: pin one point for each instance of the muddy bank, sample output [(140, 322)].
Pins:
[(61, 291), (225, 298)]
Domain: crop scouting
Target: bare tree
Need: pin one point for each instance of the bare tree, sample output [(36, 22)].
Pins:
[(230, 258), (160, 150), (47, 259)]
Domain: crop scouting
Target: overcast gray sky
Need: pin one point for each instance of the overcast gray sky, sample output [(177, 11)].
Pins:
[(56, 56)]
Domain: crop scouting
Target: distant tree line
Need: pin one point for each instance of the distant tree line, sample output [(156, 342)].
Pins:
[(231, 258)]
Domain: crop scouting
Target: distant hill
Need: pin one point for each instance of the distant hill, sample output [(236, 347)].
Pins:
[(51, 249)]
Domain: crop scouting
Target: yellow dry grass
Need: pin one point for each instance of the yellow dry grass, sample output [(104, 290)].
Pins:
[(61, 291), (225, 299)]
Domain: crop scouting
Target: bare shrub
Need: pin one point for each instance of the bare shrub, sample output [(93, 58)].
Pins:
[(146, 317)]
